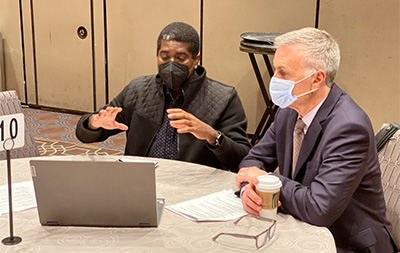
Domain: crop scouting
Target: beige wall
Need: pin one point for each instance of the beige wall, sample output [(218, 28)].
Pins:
[(2, 77), (222, 57), (369, 37), (63, 60), (10, 29), (368, 32), (132, 32)]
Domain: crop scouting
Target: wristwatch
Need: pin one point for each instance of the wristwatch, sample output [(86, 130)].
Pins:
[(218, 140)]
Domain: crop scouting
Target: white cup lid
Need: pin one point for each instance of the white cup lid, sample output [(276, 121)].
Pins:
[(269, 182)]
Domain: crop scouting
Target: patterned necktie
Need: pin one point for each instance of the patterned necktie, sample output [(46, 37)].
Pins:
[(298, 136)]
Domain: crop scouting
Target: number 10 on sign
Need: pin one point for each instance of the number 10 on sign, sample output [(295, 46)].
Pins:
[(12, 127)]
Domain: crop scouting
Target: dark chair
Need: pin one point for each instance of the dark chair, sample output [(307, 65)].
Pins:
[(389, 159)]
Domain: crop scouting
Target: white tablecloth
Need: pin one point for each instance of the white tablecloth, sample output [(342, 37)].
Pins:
[(176, 182)]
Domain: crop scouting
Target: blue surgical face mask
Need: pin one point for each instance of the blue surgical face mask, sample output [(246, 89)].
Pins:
[(281, 91)]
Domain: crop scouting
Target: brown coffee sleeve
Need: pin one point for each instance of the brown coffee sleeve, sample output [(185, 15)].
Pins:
[(269, 199)]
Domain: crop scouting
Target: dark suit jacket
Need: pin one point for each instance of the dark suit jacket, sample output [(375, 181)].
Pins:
[(337, 181)]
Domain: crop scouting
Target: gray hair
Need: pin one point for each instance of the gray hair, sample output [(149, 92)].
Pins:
[(321, 51)]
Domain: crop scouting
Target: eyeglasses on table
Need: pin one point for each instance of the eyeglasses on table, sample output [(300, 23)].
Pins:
[(261, 238)]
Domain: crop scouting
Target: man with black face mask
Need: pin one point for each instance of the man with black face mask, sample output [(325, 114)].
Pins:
[(179, 113)]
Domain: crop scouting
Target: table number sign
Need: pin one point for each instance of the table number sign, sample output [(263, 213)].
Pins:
[(12, 131), (12, 127)]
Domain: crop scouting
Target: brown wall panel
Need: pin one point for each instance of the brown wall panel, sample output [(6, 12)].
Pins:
[(29, 52), (369, 37), (368, 33), (11, 32), (63, 60), (133, 28), (99, 53), (225, 20)]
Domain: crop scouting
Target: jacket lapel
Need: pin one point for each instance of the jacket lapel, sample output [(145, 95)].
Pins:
[(314, 131)]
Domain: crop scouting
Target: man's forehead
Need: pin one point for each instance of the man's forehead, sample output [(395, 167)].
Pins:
[(286, 56), (176, 45), (166, 51)]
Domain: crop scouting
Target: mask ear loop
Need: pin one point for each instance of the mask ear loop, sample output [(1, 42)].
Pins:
[(308, 92), (304, 78)]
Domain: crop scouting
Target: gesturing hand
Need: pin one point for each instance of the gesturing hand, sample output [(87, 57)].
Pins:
[(185, 122), (106, 119)]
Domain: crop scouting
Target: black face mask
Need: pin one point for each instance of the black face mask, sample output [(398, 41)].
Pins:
[(173, 74)]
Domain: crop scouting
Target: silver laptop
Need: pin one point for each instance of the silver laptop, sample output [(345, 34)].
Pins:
[(96, 193)]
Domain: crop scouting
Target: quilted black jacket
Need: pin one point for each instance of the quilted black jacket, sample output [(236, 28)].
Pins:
[(216, 104)]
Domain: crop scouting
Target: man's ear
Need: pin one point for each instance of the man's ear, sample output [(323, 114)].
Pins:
[(197, 61), (319, 79)]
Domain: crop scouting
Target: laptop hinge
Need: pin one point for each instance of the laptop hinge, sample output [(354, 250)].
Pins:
[(144, 225), (52, 223)]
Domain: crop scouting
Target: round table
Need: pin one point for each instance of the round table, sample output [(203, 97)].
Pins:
[(176, 181)]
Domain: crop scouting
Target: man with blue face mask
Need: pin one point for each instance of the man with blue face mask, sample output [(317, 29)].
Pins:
[(179, 113), (324, 146)]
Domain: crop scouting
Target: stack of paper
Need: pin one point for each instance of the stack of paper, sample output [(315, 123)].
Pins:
[(220, 206), (23, 197)]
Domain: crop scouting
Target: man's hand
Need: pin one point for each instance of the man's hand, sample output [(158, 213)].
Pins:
[(106, 119), (185, 122), (250, 200), (249, 174)]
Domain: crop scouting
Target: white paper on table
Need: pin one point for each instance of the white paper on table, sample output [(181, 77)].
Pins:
[(220, 206), (23, 195)]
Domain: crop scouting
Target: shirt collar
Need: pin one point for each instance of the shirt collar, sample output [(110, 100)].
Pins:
[(308, 118)]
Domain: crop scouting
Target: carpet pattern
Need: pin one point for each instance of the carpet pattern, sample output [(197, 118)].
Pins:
[(54, 134)]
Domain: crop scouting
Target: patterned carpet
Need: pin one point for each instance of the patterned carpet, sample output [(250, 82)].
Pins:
[(54, 134)]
